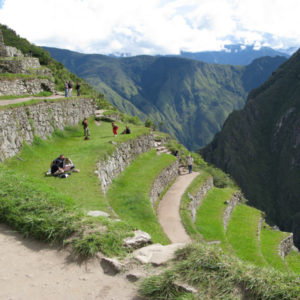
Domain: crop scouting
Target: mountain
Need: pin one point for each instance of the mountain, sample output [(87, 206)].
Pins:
[(260, 147), (238, 54), (188, 99)]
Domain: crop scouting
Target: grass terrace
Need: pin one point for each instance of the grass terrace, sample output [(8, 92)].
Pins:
[(242, 233), (83, 187), (129, 193), (269, 243), (293, 261), (209, 218)]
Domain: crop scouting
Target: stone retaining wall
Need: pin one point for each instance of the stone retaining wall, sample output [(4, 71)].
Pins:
[(286, 246), (20, 86), (19, 65), (19, 124), (197, 198), (116, 163), (236, 198), (163, 180)]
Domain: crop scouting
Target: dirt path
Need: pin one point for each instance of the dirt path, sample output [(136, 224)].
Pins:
[(20, 100), (168, 210), (32, 271)]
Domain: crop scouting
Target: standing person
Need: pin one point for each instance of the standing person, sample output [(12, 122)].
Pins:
[(86, 130), (78, 88), (66, 88), (70, 88), (115, 128), (190, 161)]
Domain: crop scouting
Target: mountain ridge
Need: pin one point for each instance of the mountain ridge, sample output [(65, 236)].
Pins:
[(189, 99)]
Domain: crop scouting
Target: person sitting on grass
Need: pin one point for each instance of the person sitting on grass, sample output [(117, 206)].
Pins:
[(69, 166), (126, 130), (57, 165)]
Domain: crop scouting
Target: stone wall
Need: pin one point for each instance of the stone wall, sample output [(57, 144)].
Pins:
[(286, 246), (125, 152), (20, 86), (197, 198), (19, 124), (18, 65), (236, 198), (163, 180)]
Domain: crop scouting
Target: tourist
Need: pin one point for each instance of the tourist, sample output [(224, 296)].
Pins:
[(86, 130), (66, 88), (190, 161), (57, 165), (115, 129), (70, 88), (126, 130), (78, 88), (68, 165)]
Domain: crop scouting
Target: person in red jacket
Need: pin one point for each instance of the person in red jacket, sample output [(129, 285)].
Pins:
[(115, 128)]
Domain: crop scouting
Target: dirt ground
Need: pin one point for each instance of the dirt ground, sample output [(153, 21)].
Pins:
[(30, 270)]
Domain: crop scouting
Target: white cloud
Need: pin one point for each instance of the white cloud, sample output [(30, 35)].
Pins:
[(153, 26)]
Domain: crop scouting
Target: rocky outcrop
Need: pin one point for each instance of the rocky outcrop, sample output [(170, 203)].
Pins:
[(24, 86), (236, 198), (125, 152), (163, 180), (197, 198), (286, 246), (19, 125), (139, 239)]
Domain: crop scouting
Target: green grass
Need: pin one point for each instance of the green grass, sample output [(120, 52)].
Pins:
[(293, 261), (242, 234), (209, 218), (129, 193), (13, 76), (12, 97), (270, 240), (185, 211), (83, 187), (219, 276)]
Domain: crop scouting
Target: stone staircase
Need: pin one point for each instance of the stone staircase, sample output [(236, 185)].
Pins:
[(160, 148)]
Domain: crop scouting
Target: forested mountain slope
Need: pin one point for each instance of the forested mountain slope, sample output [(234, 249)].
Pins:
[(260, 147), (188, 99)]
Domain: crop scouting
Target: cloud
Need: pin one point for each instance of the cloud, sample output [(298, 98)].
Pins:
[(153, 26)]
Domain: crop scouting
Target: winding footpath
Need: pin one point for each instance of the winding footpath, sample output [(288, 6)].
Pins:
[(168, 210)]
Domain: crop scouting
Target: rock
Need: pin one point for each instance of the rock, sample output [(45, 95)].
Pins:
[(185, 287), (97, 213), (139, 239), (157, 254), (134, 276), (111, 266)]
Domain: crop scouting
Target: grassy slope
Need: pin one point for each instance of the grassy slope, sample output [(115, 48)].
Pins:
[(83, 187), (209, 218), (129, 193), (270, 240), (185, 212), (293, 261), (242, 234)]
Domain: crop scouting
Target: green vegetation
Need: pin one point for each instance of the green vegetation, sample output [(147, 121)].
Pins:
[(293, 261), (257, 147), (12, 97), (188, 99), (209, 218), (35, 209), (242, 234), (269, 244), (83, 187), (219, 276), (129, 193), (185, 212), (12, 76)]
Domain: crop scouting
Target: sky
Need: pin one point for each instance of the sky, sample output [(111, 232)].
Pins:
[(153, 26)]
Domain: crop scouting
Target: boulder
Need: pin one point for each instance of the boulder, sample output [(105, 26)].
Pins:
[(139, 239), (111, 266), (157, 254)]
